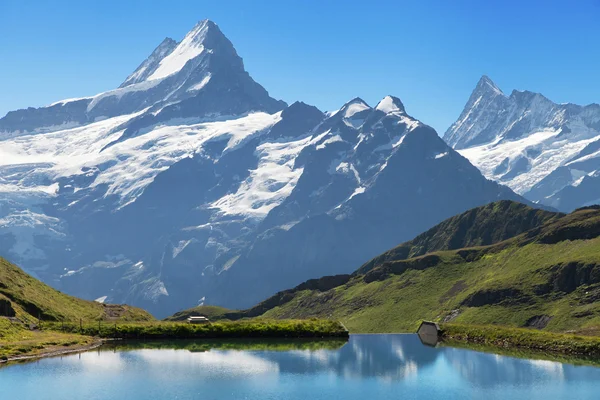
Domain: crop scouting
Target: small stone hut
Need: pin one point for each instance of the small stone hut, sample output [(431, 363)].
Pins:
[(429, 333)]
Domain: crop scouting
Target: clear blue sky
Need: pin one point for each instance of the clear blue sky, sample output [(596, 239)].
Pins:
[(428, 53)]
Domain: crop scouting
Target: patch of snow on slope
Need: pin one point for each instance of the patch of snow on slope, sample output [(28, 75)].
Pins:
[(588, 157), (554, 153), (201, 84), (4, 135), (577, 176), (392, 144), (127, 167), (410, 123), (25, 226), (101, 300), (181, 245), (359, 190), (120, 92), (149, 154), (270, 183), (345, 168), (333, 139), (65, 101), (355, 108)]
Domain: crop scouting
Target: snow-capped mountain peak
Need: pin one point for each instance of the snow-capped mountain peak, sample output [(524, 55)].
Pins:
[(537, 147), (486, 84), (170, 56), (353, 107), (390, 105), (151, 63), (192, 45), (200, 77)]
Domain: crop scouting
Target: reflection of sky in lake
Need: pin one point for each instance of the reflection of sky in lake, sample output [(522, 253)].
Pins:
[(367, 367)]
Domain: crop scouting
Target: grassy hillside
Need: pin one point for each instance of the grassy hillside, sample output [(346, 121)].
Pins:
[(17, 341), (71, 324), (28, 299), (24, 300), (547, 277), (479, 226)]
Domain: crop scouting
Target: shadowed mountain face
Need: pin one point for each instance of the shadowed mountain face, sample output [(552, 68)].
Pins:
[(189, 184), (545, 151)]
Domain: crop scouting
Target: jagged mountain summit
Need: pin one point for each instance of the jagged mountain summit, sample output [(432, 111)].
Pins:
[(548, 152), (189, 184)]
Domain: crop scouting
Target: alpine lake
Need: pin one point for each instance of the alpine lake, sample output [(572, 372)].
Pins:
[(364, 367)]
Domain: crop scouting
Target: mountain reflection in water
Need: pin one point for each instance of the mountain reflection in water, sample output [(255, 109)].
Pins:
[(367, 366)]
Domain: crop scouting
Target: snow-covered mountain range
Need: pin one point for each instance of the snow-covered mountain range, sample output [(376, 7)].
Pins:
[(190, 184), (548, 152)]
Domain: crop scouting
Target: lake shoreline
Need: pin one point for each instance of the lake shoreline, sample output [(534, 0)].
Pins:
[(52, 352), (521, 338), (59, 339), (243, 329)]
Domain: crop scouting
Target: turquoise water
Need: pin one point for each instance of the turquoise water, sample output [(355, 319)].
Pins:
[(367, 367)]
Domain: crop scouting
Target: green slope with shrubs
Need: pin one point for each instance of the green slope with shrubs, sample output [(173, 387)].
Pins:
[(24, 301)]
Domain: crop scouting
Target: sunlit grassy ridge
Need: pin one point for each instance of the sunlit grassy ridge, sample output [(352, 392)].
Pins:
[(508, 284)]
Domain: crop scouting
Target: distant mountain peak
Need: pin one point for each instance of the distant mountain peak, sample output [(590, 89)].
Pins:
[(486, 84), (390, 104), (544, 150), (171, 56), (201, 31), (486, 96), (354, 106), (195, 42)]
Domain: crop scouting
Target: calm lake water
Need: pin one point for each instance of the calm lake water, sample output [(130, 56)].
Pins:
[(367, 367)]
